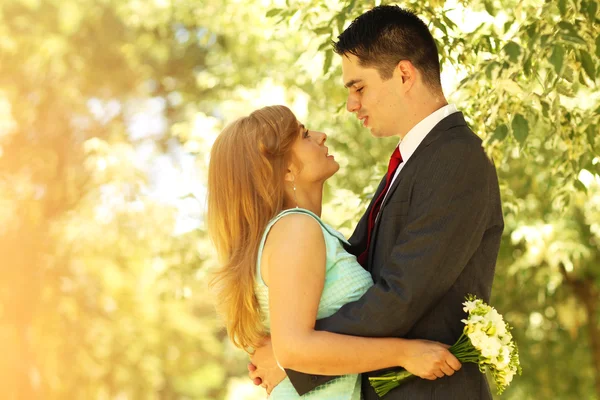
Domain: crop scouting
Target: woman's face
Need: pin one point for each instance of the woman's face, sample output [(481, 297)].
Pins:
[(311, 159)]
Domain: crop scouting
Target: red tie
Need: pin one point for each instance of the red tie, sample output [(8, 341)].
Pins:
[(395, 160)]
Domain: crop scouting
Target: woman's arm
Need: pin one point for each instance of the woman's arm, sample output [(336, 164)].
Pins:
[(293, 267)]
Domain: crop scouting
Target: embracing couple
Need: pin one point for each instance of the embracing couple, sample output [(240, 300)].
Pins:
[(337, 311)]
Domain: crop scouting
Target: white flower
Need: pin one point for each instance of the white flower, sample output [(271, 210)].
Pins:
[(477, 338), (491, 347), (505, 377), (492, 341), (497, 321), (506, 339), (475, 319), (470, 306), (503, 359)]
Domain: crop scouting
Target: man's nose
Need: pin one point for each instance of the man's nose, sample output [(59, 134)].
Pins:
[(352, 104)]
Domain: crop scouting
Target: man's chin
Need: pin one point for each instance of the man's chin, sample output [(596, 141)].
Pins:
[(379, 134), (375, 133)]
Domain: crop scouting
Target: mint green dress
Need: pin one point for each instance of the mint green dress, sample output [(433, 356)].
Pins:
[(345, 281)]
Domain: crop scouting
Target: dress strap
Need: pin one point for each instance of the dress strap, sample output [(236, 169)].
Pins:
[(282, 214)]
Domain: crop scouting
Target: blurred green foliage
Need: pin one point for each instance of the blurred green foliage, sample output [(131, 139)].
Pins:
[(106, 105)]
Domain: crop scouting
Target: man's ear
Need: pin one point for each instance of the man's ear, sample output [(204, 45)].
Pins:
[(406, 72)]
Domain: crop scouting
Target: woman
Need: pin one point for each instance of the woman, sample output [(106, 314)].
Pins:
[(282, 267)]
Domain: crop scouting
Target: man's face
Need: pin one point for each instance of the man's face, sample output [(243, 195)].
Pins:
[(376, 102)]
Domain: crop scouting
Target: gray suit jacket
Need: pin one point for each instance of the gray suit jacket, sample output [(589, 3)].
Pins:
[(436, 240)]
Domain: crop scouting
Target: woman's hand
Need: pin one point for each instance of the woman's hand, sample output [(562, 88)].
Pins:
[(429, 360), (263, 369)]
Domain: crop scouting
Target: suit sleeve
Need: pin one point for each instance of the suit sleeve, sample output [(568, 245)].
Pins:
[(447, 219)]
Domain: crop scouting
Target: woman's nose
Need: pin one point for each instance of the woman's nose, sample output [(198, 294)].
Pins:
[(322, 137)]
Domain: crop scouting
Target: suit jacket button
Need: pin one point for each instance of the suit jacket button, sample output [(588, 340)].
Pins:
[(314, 378)]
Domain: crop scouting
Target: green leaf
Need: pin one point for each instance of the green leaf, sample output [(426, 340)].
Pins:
[(588, 64), (488, 42), (569, 74), (575, 165), (351, 5), (562, 6), (544, 39), (580, 186), (545, 108), (568, 117), (520, 127), (592, 9), (449, 22), (285, 15), (322, 30), (591, 132), (438, 24), (325, 44), (582, 79), (527, 65), (531, 30), (328, 59), (500, 133), (490, 69), (598, 46), (273, 12), (341, 20), (565, 90), (567, 26), (557, 58), (489, 7), (573, 38), (513, 50)]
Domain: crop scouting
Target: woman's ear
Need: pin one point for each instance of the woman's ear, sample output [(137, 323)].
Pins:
[(291, 172), (289, 176)]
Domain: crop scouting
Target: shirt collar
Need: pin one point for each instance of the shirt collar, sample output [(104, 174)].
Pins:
[(415, 136)]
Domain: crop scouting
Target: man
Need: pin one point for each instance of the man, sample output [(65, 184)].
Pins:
[(432, 231)]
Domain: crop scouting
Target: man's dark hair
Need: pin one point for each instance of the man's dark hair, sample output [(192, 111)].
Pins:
[(384, 36)]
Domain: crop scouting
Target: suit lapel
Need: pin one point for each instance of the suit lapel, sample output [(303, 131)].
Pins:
[(366, 228), (450, 121)]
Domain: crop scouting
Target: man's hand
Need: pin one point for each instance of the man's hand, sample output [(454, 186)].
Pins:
[(263, 368)]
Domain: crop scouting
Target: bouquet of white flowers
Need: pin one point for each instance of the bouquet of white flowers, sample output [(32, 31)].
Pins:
[(486, 341)]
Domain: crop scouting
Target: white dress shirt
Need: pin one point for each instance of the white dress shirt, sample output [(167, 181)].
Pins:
[(415, 136)]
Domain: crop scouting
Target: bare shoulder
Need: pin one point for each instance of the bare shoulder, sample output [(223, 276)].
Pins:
[(294, 228), (294, 243)]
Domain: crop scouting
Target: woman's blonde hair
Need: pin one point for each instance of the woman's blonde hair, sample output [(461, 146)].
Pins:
[(248, 163)]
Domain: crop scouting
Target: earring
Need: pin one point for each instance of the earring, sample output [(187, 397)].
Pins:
[(295, 198)]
